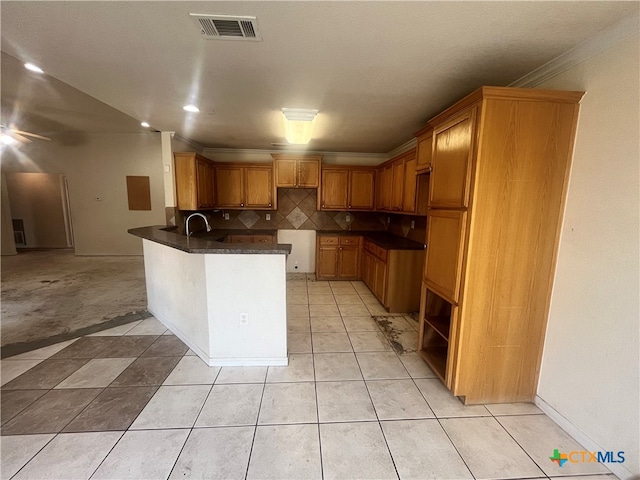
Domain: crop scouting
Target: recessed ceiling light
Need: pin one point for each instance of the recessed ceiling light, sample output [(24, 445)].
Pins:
[(191, 108), (33, 68), (298, 125), (145, 124), (6, 139)]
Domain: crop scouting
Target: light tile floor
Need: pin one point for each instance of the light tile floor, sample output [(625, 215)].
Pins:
[(356, 401)]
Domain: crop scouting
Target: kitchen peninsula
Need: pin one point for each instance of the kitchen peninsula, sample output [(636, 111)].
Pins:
[(226, 301)]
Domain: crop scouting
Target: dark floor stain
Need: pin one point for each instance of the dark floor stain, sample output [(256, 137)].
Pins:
[(12, 349), (389, 331)]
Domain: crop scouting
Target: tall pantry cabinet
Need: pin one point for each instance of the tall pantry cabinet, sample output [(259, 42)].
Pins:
[(500, 164)]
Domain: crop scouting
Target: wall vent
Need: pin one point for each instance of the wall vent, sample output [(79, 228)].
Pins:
[(227, 27)]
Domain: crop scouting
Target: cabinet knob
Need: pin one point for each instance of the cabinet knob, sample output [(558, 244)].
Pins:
[(349, 206), (269, 204), (242, 204)]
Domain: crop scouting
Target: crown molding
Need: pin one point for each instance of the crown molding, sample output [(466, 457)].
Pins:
[(583, 51), (257, 151), (408, 145), (195, 145)]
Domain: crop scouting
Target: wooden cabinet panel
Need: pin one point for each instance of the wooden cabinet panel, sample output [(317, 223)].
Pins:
[(309, 173), (194, 177), (424, 151), (258, 187), (229, 186), (327, 262), (293, 171), (361, 190), (445, 240), (397, 184), (263, 239), (383, 195), (349, 262), (380, 280), (285, 172), (451, 174), (334, 191), (409, 188)]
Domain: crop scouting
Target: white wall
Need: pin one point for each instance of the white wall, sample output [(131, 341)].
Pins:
[(591, 363), (303, 249), (96, 167)]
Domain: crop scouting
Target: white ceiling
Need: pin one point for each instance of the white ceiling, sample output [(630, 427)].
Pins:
[(375, 70)]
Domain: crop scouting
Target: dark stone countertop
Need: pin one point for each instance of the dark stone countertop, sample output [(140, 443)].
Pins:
[(385, 240), (212, 242)]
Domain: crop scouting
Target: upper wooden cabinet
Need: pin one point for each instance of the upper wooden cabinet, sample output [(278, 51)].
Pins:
[(424, 150), (500, 162), (347, 188), (297, 171), (453, 147), (194, 181), (398, 187), (244, 186)]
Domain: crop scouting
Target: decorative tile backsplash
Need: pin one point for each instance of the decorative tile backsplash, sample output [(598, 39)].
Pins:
[(297, 211)]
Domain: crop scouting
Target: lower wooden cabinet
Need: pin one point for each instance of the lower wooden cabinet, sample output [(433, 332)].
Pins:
[(338, 257), (251, 239), (393, 276)]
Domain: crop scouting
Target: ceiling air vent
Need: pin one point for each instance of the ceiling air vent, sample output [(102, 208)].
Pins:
[(227, 27)]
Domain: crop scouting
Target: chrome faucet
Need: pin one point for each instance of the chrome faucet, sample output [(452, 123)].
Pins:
[(186, 223)]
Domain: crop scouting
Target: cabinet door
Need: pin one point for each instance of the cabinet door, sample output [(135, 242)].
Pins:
[(263, 239), (229, 187), (285, 173), (452, 151), (365, 268), (327, 262), (308, 173), (258, 187), (409, 189), (424, 151), (397, 184), (204, 180), (349, 262), (380, 280), (445, 241), (383, 200), (334, 189), (361, 189), (239, 239)]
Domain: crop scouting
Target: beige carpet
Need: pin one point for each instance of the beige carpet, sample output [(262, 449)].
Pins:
[(47, 293)]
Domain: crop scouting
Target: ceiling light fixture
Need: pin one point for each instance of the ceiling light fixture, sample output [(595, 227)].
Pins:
[(298, 125), (33, 68), (6, 139), (191, 108), (145, 124)]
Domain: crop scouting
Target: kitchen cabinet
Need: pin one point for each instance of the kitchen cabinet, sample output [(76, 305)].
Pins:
[(393, 276), (399, 188), (244, 186), (297, 171), (424, 150), (338, 257), (498, 182), (194, 176), (347, 188), (242, 238)]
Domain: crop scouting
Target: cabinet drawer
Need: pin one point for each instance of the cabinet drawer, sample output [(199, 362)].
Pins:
[(239, 239), (263, 239), (329, 240), (381, 253), (350, 240)]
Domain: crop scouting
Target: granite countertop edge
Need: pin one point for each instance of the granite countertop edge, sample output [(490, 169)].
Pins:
[(206, 243)]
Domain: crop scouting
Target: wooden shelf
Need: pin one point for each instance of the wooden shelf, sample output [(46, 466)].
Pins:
[(440, 325), (436, 358)]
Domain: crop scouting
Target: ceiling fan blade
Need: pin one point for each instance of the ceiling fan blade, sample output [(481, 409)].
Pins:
[(29, 134), (20, 137)]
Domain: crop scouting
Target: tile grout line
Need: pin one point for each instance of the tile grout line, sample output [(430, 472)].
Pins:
[(255, 427), (108, 453), (315, 387)]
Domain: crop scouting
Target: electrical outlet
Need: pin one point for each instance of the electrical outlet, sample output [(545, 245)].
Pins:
[(388, 219), (348, 218), (413, 224), (296, 266), (268, 216), (226, 216), (244, 319)]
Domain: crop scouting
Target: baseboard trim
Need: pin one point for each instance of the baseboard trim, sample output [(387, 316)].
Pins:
[(579, 436)]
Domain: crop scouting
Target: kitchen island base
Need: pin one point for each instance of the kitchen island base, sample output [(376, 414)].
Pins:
[(230, 309)]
